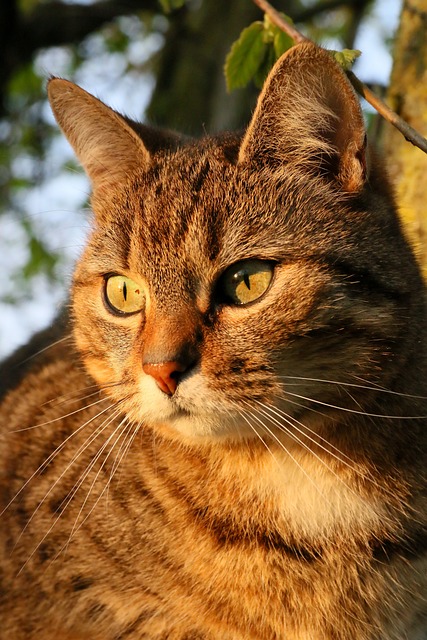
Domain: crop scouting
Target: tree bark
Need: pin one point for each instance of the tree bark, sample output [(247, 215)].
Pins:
[(408, 97)]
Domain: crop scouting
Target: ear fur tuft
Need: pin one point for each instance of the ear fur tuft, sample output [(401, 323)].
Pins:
[(308, 114)]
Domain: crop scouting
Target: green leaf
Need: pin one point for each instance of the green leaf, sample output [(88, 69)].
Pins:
[(282, 42), (245, 57), (170, 5), (346, 57), (263, 71)]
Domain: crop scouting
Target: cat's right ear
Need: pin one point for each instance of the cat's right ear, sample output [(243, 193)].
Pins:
[(108, 148), (308, 116)]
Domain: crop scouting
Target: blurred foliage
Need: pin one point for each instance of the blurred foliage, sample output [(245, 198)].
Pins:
[(170, 5)]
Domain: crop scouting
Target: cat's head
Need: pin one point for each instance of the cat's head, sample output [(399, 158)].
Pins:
[(226, 279)]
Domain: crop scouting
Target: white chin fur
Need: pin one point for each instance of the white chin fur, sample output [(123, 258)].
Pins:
[(192, 411)]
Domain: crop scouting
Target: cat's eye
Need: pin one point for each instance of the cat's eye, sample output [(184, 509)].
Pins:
[(246, 281), (123, 295)]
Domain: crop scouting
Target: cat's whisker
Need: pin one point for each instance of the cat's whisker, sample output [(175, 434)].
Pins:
[(93, 436), (75, 395), (63, 417), (71, 494), (119, 432), (282, 446), (52, 456), (118, 459), (49, 346), (352, 411), (352, 398), (255, 431), (301, 405), (120, 455), (127, 442), (72, 396), (371, 386), (291, 432), (339, 455), (302, 429)]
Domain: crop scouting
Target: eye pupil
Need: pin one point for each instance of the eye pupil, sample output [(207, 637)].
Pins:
[(123, 295), (246, 281)]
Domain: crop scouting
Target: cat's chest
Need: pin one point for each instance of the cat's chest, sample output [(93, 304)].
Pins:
[(225, 557), (262, 491)]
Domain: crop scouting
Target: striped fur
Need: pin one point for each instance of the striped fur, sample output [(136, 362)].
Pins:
[(278, 493)]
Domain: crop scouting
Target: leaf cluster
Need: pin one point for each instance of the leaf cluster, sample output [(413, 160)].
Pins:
[(254, 53)]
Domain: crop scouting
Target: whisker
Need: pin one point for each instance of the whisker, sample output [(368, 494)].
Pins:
[(67, 415), (367, 387), (49, 346), (301, 405), (118, 430), (306, 446), (81, 449), (353, 411), (245, 418), (74, 396), (291, 420), (52, 456), (68, 499), (128, 443), (93, 436), (286, 450), (340, 456), (119, 458)]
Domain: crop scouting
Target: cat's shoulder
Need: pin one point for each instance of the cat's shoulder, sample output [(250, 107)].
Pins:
[(49, 345)]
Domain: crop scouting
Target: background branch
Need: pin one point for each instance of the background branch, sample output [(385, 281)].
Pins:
[(53, 24)]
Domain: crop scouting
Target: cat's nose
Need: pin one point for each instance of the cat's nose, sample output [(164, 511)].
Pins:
[(166, 374)]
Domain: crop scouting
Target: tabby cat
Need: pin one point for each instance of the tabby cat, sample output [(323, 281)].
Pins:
[(226, 440)]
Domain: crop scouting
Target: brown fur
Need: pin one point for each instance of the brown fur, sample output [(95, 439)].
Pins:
[(278, 493)]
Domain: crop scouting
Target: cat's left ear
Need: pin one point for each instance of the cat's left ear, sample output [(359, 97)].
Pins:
[(308, 115), (108, 148)]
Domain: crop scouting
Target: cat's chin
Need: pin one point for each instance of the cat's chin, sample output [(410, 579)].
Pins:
[(193, 412), (198, 425)]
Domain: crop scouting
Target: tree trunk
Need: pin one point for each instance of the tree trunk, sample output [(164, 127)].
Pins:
[(408, 97)]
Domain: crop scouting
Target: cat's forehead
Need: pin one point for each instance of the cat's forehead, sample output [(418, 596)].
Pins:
[(183, 212), (197, 200), (198, 210)]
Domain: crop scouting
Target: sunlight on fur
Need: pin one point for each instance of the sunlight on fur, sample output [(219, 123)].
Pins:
[(224, 439)]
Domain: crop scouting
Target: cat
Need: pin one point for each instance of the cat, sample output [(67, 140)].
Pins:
[(225, 437)]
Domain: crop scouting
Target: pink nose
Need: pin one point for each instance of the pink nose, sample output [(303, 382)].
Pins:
[(165, 374)]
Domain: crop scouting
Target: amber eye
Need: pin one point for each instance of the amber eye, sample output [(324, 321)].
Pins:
[(124, 295), (246, 281)]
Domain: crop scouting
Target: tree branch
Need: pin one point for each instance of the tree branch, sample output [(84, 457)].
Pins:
[(55, 23), (407, 131), (410, 134), (277, 19), (52, 24)]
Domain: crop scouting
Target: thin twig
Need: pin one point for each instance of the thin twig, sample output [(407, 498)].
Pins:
[(277, 19), (388, 114), (410, 134)]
